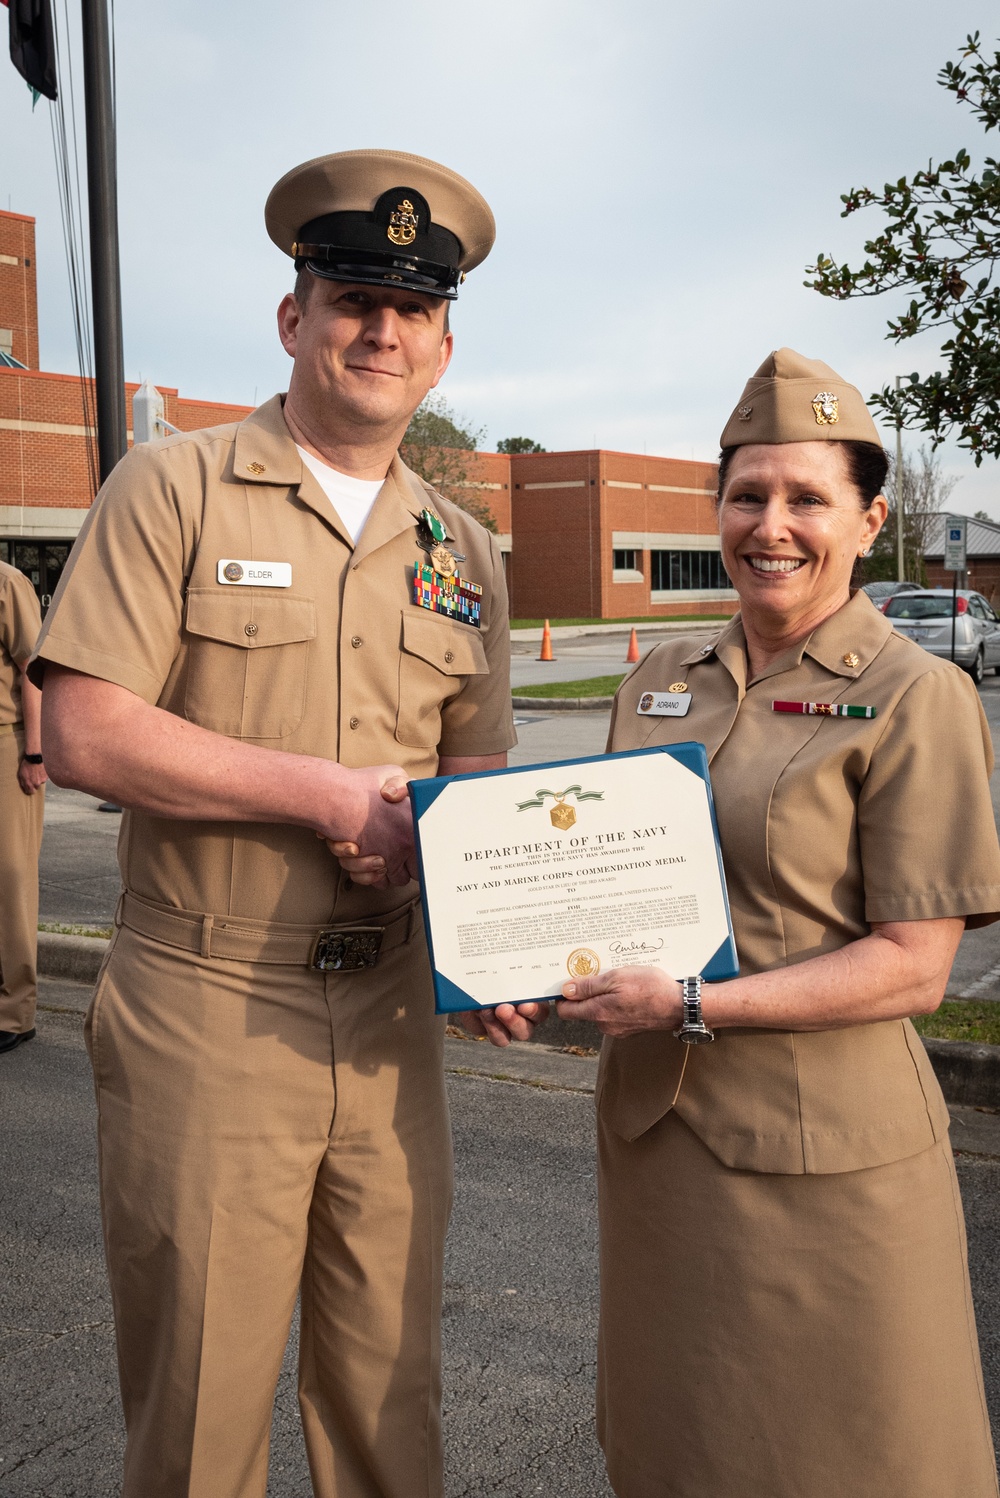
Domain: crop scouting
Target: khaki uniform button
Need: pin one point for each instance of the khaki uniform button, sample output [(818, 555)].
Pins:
[(355, 722), (250, 629), (449, 656), (356, 641)]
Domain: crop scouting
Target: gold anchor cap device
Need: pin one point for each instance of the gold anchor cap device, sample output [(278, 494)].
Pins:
[(381, 218)]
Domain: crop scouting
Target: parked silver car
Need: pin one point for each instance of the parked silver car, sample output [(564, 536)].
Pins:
[(926, 617), (879, 591)]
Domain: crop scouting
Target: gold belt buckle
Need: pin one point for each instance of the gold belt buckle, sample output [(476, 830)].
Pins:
[(347, 951)]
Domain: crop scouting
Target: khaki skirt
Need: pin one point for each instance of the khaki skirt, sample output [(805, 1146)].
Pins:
[(785, 1336)]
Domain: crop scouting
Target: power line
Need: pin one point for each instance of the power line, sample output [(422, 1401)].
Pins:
[(67, 159)]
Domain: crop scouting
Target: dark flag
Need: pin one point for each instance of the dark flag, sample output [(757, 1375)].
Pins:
[(32, 45)]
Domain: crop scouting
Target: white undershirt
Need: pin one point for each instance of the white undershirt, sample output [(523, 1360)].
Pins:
[(351, 498)]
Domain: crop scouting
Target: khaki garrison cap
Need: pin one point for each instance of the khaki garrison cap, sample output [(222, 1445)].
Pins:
[(793, 399), (381, 218)]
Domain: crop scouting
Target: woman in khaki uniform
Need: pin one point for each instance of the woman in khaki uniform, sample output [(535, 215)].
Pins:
[(785, 1298)]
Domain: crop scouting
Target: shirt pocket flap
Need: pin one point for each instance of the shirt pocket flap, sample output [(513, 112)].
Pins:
[(455, 649), (253, 622)]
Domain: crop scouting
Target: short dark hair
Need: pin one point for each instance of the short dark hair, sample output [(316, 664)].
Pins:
[(305, 281), (867, 466)]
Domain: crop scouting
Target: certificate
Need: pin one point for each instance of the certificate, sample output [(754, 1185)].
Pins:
[(534, 876)]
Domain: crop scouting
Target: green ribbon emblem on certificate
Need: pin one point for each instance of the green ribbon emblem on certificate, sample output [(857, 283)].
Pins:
[(561, 815), (571, 790)]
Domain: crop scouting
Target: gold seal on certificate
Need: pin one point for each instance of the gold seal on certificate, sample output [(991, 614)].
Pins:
[(574, 868)]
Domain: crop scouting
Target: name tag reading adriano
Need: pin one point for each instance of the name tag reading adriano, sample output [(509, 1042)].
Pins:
[(663, 705), (240, 574)]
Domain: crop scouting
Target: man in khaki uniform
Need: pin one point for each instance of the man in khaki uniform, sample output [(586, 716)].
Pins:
[(246, 652), (22, 805)]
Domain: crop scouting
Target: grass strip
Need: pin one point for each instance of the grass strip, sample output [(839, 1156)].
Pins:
[(72, 930), (638, 619), (593, 686), (962, 1019)]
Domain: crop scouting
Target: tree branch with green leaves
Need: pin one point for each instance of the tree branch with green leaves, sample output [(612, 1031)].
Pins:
[(941, 241)]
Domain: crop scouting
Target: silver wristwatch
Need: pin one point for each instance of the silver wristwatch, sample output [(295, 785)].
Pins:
[(693, 1030)]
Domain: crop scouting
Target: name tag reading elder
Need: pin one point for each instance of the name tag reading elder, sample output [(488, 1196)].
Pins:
[(532, 876), (663, 705), (240, 574)]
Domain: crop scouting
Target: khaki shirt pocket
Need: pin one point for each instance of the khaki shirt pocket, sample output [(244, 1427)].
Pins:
[(247, 662), (436, 657)]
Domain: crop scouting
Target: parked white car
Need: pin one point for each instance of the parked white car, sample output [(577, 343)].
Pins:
[(926, 618)]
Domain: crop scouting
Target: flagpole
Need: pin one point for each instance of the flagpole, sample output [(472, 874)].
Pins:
[(102, 192)]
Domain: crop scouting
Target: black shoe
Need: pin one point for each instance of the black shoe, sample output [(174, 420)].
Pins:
[(11, 1038)]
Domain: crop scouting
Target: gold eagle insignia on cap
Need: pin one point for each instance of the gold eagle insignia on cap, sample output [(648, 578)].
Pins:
[(402, 228), (826, 408)]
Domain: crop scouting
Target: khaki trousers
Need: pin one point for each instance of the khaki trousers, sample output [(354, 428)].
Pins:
[(261, 1129), (20, 842)]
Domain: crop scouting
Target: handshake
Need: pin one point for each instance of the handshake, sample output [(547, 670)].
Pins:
[(381, 851)]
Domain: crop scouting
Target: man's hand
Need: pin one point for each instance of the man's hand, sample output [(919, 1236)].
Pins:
[(30, 778), (506, 1022), (624, 1000), (384, 852)]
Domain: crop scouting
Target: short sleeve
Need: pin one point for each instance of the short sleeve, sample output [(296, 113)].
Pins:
[(480, 719), (20, 618), (117, 611), (925, 815)]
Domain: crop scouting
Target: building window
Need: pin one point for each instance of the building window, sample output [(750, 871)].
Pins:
[(686, 570), (42, 563), (624, 561)]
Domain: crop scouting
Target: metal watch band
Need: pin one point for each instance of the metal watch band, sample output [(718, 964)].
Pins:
[(693, 1030)]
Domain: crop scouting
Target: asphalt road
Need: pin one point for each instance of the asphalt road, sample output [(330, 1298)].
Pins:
[(579, 657), (520, 1294)]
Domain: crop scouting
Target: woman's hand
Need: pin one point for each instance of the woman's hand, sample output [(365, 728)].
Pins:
[(624, 1000), (506, 1022)]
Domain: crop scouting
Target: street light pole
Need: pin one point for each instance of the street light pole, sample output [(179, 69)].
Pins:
[(102, 192), (900, 563)]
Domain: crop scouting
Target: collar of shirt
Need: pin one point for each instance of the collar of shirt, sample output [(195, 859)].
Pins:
[(265, 453), (351, 498), (845, 644)]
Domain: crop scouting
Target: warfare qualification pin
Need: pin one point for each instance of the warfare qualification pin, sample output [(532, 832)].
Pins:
[(826, 408)]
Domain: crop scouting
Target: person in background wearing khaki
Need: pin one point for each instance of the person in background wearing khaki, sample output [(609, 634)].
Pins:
[(22, 806), (264, 629), (785, 1303)]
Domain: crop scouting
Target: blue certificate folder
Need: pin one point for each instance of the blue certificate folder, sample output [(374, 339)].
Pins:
[(450, 998)]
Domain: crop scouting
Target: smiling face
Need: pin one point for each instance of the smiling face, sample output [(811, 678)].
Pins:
[(365, 357), (791, 526)]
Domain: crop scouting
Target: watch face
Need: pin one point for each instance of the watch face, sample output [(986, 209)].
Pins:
[(699, 1036)]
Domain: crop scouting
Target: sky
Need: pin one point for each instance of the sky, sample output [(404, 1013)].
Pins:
[(661, 175)]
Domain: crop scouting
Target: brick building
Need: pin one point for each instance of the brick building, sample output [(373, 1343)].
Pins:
[(589, 534)]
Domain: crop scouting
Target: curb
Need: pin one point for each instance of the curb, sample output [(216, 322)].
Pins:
[(618, 627), (75, 957), (969, 1074), (564, 704)]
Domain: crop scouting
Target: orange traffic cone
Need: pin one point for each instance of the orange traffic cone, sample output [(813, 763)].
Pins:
[(633, 649), (546, 654)]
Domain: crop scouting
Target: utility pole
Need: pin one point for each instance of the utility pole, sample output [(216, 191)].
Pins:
[(900, 563), (102, 192)]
